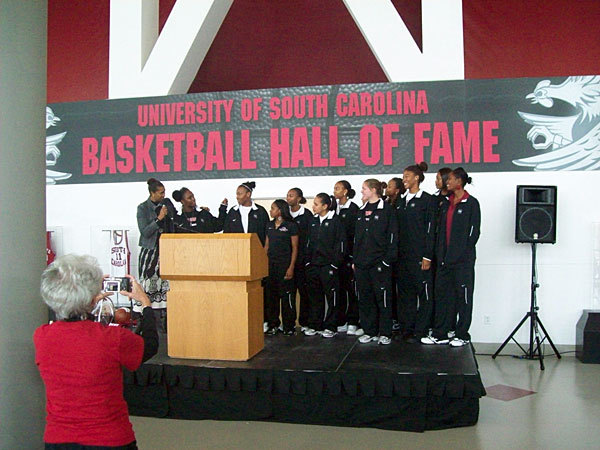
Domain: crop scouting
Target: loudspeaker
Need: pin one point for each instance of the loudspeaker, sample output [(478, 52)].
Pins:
[(587, 337), (536, 214)]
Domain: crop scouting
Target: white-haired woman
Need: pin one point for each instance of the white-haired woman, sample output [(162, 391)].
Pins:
[(81, 360)]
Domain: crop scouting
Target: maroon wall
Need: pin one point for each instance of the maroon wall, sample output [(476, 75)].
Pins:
[(280, 43)]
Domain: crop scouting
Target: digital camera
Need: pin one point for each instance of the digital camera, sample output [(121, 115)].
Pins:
[(116, 284)]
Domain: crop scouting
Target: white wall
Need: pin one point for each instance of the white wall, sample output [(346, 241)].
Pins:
[(503, 270)]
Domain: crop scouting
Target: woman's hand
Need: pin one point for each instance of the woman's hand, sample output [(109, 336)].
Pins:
[(137, 292), (289, 274), (101, 296), (162, 213), (425, 264)]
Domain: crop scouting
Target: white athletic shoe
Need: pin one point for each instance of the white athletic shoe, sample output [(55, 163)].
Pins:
[(430, 340), (451, 334), (309, 331), (456, 342), (384, 340), (328, 333), (303, 329), (265, 327), (343, 328), (353, 330), (365, 338)]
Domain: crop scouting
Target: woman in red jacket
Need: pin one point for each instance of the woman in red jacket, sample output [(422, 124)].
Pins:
[(81, 361)]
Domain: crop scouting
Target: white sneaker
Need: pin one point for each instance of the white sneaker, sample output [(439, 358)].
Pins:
[(265, 327), (328, 334), (430, 340), (451, 334), (384, 340), (303, 329), (353, 330), (343, 328), (309, 331), (365, 338), (456, 342)]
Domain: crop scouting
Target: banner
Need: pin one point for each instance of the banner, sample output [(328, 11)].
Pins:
[(482, 125)]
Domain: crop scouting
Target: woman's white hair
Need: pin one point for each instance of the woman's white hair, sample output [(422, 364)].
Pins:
[(70, 284)]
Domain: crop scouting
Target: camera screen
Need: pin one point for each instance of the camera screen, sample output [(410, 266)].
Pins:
[(111, 286)]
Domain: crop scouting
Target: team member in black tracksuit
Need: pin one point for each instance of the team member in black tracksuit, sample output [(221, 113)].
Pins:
[(394, 189), (347, 316), (324, 255), (282, 249), (415, 253), (439, 199), (455, 248), (302, 217), (246, 216), (192, 220), (441, 196), (375, 250)]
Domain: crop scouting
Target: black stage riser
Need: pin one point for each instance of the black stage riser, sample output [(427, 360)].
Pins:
[(336, 382)]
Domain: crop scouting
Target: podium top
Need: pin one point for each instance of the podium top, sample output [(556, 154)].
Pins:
[(209, 236), (205, 256)]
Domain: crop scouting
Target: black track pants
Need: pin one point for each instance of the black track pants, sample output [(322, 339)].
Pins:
[(323, 290), (454, 300), (280, 295), (415, 298), (374, 287), (347, 310)]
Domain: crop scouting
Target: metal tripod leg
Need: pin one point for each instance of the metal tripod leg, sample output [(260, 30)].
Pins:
[(548, 337), (511, 335), (536, 332)]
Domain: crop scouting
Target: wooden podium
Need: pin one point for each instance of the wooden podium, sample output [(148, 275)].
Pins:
[(215, 302)]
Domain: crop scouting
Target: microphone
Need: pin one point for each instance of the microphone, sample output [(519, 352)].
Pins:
[(166, 202)]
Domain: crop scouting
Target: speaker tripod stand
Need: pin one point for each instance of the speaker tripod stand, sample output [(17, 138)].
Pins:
[(535, 337)]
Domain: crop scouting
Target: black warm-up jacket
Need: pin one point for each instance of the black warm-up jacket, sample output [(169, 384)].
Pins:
[(416, 228), (257, 221), (326, 243), (205, 221), (348, 218), (464, 234), (303, 221), (375, 238)]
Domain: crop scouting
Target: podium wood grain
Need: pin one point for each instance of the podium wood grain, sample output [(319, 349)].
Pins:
[(227, 256), (215, 302)]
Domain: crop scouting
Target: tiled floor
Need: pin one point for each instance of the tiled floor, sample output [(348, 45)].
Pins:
[(560, 409)]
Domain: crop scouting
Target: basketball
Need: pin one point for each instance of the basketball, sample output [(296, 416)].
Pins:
[(122, 316)]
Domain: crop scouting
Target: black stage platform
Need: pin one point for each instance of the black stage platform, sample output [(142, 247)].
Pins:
[(312, 380)]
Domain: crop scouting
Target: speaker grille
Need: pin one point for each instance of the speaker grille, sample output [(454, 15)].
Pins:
[(536, 224)]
